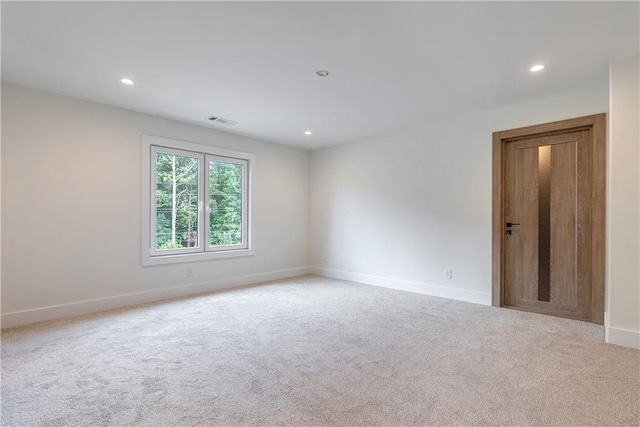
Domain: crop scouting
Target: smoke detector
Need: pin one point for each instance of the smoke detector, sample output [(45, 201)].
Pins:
[(223, 121)]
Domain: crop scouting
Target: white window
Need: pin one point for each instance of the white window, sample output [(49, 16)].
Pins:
[(196, 202)]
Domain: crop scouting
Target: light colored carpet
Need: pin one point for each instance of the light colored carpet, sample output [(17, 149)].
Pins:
[(316, 351)]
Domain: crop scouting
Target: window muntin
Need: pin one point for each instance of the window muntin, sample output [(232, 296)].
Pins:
[(198, 202)]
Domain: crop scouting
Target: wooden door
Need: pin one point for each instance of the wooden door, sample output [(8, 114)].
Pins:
[(547, 243), (552, 222)]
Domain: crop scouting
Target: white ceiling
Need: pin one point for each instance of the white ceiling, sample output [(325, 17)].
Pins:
[(392, 65)]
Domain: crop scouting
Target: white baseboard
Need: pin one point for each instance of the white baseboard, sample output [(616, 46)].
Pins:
[(42, 314), (405, 285), (622, 337)]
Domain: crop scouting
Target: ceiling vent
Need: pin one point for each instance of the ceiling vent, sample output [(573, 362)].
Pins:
[(223, 121)]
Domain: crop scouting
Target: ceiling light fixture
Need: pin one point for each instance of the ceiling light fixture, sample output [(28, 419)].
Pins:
[(537, 67), (322, 73), (307, 132), (126, 81)]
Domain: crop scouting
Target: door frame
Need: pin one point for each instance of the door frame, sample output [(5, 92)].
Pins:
[(596, 124)]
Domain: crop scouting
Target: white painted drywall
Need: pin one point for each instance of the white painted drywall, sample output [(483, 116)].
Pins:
[(623, 214), (398, 209), (72, 209)]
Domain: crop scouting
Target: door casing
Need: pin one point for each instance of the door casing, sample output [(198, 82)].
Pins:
[(596, 124)]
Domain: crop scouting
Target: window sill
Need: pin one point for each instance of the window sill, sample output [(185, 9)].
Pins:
[(194, 257)]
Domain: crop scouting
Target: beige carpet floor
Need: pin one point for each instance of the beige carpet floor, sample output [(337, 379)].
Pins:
[(315, 351)]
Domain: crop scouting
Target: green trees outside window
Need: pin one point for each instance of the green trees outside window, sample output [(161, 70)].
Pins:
[(177, 181), (225, 203), (176, 201)]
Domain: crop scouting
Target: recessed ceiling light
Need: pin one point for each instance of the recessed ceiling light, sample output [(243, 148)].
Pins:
[(322, 73), (536, 67), (307, 132), (126, 81)]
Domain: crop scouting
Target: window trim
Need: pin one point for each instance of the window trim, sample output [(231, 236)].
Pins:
[(204, 251)]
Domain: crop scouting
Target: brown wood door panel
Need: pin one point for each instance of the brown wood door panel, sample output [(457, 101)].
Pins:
[(558, 156), (525, 235), (563, 235), (544, 181)]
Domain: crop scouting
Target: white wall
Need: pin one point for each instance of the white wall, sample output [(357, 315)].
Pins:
[(623, 277), (71, 215), (397, 210)]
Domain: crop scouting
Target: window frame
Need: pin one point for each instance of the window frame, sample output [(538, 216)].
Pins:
[(153, 244), (207, 210), (151, 145)]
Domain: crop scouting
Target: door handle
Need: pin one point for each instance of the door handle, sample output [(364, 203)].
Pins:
[(509, 225)]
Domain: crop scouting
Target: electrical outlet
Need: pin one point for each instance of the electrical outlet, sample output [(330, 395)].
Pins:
[(189, 271), (326, 259), (448, 273)]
